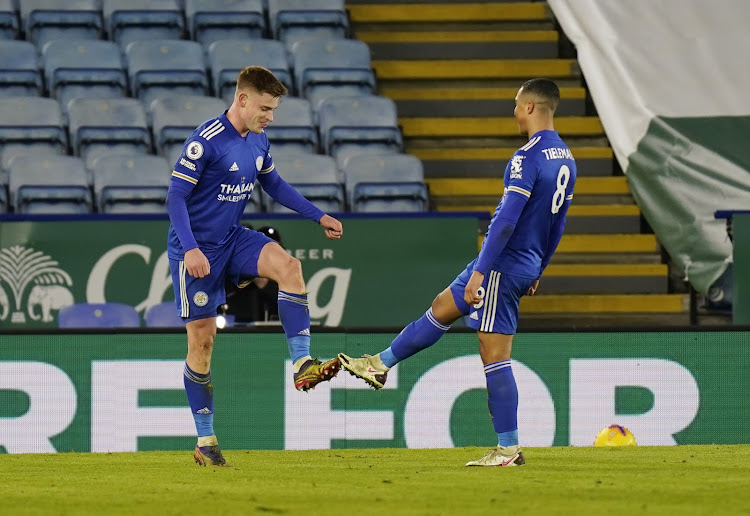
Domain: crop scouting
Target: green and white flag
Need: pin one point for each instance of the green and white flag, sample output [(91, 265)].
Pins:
[(669, 79)]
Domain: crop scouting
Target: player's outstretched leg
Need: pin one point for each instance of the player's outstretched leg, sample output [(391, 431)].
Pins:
[(295, 319), (501, 456), (370, 368), (200, 395)]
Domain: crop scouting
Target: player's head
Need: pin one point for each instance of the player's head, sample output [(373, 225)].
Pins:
[(273, 233), (257, 94), (537, 99)]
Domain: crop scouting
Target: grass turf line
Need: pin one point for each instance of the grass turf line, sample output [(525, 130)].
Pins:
[(562, 480)]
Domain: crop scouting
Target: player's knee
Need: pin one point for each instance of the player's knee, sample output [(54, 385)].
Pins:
[(291, 270)]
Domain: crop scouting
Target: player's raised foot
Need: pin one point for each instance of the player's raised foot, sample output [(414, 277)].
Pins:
[(314, 371), (501, 456), (370, 368), (209, 456)]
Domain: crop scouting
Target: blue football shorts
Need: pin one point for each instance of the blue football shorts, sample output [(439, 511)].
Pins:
[(198, 298), (498, 310)]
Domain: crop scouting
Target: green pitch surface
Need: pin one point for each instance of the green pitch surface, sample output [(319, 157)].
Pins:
[(652, 480)]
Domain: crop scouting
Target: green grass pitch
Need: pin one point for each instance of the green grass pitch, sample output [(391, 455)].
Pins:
[(563, 480)]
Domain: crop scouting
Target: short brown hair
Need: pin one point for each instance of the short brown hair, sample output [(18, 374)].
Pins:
[(261, 80)]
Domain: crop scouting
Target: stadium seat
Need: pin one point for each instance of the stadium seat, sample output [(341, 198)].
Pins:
[(19, 71), (295, 20), (163, 315), (108, 127), (227, 58), (131, 184), (325, 68), (138, 20), (385, 183), (366, 124), (50, 20), (293, 129), (174, 118), (165, 68), (49, 184), (34, 123), (83, 68), (98, 315), (314, 176), (213, 20), (256, 201), (9, 26)]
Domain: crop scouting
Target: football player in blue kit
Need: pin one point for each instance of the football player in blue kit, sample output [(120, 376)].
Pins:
[(522, 236), (211, 182)]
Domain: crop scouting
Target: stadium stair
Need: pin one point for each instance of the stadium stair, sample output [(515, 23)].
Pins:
[(453, 69)]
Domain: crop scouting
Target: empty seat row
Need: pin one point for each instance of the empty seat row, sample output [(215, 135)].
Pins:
[(205, 21), (147, 69), (117, 315), (139, 184), (346, 126)]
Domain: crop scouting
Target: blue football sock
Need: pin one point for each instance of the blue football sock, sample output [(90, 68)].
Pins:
[(200, 394), (295, 319), (503, 401), (418, 335)]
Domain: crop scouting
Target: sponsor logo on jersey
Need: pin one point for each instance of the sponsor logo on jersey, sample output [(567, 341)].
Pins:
[(200, 298), (194, 150), (234, 167), (187, 164), (515, 167)]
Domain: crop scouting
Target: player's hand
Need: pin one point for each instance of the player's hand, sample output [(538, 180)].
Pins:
[(533, 288), (333, 227), (471, 293), (196, 263)]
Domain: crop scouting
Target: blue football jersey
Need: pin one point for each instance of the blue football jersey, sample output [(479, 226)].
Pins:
[(544, 171), (222, 167)]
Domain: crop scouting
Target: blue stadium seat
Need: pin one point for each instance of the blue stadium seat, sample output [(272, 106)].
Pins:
[(295, 20), (364, 124), (33, 123), (174, 119), (213, 20), (98, 315), (131, 184), (83, 68), (9, 26), (163, 315), (108, 127), (325, 68), (256, 201), (19, 69), (165, 68), (385, 183), (138, 20), (49, 184), (49, 20), (314, 176), (293, 128), (227, 58)]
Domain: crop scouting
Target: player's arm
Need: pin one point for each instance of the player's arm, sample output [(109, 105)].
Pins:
[(284, 193), (184, 178), (555, 233), (497, 237)]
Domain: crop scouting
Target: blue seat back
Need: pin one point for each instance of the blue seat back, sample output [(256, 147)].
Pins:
[(32, 120), (163, 315), (52, 20), (314, 176), (9, 26), (293, 20), (213, 20), (49, 184), (138, 20), (107, 121), (98, 315), (175, 118), (362, 120), (388, 182), (19, 69), (131, 184)]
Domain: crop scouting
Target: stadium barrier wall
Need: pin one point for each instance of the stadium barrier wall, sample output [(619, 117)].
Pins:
[(116, 392), (360, 280)]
